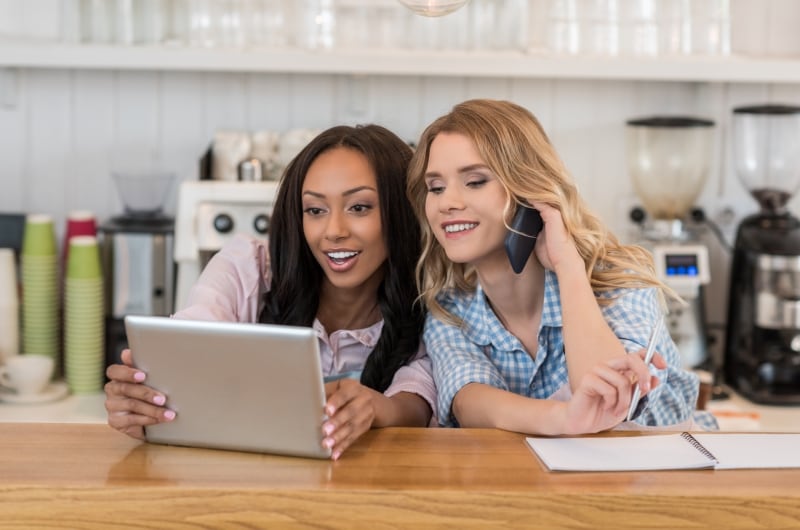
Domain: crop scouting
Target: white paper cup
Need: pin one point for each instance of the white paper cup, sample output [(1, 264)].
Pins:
[(27, 374), (9, 305)]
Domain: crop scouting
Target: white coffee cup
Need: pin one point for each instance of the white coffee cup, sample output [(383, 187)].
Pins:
[(27, 374)]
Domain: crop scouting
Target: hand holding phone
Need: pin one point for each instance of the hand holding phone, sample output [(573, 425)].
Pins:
[(521, 238)]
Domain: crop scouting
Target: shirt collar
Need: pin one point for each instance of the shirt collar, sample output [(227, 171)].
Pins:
[(367, 336), (482, 326)]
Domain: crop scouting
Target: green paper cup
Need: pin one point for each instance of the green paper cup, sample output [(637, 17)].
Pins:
[(39, 238), (84, 258)]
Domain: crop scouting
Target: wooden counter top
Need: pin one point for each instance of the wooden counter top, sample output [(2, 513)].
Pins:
[(90, 476)]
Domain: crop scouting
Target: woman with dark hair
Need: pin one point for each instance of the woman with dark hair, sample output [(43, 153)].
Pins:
[(296, 269), (342, 250)]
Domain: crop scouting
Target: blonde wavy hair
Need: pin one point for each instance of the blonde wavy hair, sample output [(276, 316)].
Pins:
[(512, 143)]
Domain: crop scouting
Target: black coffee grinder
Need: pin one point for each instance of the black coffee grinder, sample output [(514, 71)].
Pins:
[(762, 349)]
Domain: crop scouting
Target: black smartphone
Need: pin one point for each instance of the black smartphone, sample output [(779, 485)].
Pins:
[(521, 238)]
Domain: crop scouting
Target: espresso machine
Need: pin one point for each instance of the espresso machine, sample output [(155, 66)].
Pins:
[(669, 158), (209, 214), (136, 254), (762, 349)]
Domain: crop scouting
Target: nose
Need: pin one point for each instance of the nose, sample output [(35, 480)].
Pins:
[(336, 228), (451, 199)]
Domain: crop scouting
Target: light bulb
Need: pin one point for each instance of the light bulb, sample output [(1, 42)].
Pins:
[(433, 8)]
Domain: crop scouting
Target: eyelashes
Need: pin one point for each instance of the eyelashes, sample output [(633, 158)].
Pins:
[(436, 190)]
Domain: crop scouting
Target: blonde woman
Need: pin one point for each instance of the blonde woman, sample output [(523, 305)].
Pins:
[(558, 347)]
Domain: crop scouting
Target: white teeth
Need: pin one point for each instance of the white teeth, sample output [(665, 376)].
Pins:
[(459, 227), (341, 255)]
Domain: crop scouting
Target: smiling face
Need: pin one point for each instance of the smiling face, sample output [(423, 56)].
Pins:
[(342, 219), (465, 201)]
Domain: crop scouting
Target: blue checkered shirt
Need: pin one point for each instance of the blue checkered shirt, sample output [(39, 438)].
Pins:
[(482, 350)]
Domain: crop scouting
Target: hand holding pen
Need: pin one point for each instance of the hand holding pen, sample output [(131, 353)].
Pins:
[(600, 401), (648, 358)]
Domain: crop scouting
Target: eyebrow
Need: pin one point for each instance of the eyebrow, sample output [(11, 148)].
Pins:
[(461, 170), (344, 194)]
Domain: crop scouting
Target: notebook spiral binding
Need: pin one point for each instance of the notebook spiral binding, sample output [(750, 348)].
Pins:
[(697, 445)]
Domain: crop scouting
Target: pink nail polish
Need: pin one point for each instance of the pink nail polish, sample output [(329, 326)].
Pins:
[(139, 376), (159, 400), (169, 415)]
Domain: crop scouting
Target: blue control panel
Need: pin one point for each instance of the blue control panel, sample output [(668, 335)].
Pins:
[(681, 265)]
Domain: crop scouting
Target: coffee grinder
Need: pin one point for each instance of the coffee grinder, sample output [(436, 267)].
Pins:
[(669, 159), (762, 349), (136, 253)]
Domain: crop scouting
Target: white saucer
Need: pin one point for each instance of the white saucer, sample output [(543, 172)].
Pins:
[(52, 392)]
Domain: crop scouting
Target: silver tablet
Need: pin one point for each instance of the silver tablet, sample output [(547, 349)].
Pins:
[(245, 387)]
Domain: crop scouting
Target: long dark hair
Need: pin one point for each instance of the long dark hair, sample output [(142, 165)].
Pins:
[(294, 293)]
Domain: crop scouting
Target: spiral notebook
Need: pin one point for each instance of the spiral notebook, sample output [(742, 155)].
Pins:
[(668, 451)]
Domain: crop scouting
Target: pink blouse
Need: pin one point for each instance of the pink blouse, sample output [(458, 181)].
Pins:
[(231, 288)]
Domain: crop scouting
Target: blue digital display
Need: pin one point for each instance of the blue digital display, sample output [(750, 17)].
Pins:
[(681, 265)]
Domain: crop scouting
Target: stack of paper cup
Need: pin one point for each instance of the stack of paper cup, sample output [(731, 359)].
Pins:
[(40, 295), (9, 305), (84, 356), (79, 223)]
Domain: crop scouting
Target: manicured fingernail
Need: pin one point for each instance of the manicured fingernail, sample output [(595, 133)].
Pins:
[(169, 414), (328, 428), (159, 400), (328, 442), (336, 455), (329, 410), (139, 376)]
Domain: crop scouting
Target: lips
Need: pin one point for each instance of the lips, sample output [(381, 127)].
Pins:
[(456, 229), (459, 227), (341, 260)]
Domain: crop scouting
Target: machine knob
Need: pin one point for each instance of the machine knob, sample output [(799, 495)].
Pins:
[(223, 223), (698, 215), (637, 215), (261, 223)]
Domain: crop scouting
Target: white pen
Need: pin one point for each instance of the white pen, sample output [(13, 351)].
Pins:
[(648, 358)]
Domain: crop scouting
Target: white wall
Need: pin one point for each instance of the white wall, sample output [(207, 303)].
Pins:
[(66, 130), (62, 132)]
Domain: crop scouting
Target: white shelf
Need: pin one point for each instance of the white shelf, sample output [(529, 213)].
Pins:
[(72, 409), (734, 414), (28, 54)]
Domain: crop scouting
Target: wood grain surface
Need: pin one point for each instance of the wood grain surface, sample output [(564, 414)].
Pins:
[(91, 477)]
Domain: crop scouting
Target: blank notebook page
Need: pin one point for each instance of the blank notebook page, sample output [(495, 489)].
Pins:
[(749, 451), (619, 453)]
